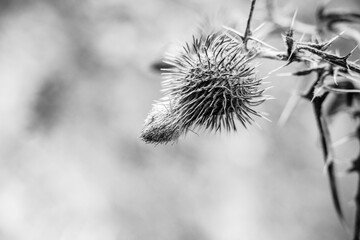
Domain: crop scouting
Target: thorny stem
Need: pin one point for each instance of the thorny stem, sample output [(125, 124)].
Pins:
[(332, 59), (324, 132), (328, 154), (301, 49)]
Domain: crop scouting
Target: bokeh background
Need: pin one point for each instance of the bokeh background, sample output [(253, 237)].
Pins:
[(76, 84)]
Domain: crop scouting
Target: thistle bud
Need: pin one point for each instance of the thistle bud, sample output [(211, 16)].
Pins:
[(160, 126), (211, 84)]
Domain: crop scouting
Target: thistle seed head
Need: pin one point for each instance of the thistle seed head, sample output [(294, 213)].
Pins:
[(211, 84)]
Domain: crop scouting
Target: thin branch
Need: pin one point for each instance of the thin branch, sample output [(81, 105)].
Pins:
[(248, 30)]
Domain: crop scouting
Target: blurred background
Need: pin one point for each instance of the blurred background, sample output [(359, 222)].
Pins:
[(76, 84)]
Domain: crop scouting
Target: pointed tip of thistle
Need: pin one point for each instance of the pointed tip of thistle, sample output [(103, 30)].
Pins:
[(159, 127)]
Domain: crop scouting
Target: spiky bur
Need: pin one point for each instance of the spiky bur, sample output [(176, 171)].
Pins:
[(211, 85)]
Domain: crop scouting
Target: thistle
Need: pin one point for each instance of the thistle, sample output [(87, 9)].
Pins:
[(160, 126), (211, 84)]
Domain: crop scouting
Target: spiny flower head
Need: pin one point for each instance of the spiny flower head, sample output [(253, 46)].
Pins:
[(211, 84)]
